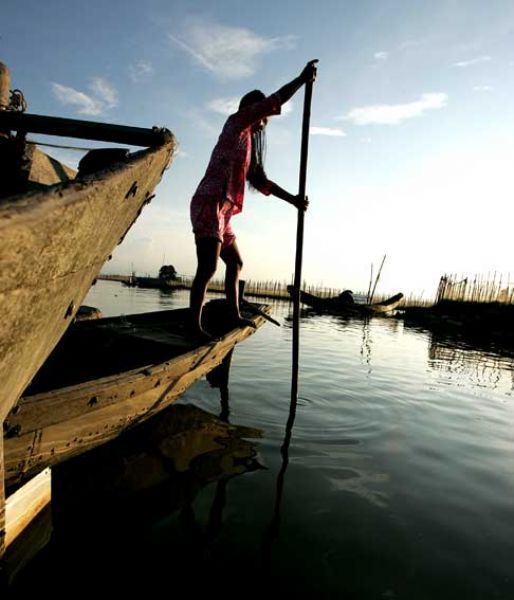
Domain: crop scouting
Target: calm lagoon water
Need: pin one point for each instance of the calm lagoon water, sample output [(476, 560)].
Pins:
[(398, 483)]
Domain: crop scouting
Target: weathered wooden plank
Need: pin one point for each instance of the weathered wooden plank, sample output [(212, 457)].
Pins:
[(54, 244), (5, 85), (88, 130), (25, 504), (45, 170), (28, 545), (44, 409), (2, 503), (81, 425)]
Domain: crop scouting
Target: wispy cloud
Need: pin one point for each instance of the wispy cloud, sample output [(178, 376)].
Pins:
[(104, 96), (85, 105), (473, 61), (393, 114), (329, 131), (224, 106), (140, 71), (381, 56), (104, 91), (409, 44), (227, 52), (482, 88)]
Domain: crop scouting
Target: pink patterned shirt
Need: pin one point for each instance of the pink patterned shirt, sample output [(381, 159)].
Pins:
[(226, 172)]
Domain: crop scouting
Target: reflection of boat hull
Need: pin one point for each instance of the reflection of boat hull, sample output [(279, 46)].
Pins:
[(335, 306), (54, 242), (154, 471), (183, 438), (105, 502), (117, 372)]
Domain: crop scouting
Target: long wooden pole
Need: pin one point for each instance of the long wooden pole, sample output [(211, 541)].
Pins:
[(299, 236), (89, 130), (272, 531)]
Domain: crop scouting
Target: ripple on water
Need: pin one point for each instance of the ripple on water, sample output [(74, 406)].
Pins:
[(399, 478)]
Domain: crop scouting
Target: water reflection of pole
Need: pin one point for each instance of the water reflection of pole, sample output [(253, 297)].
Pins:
[(366, 342), (273, 528), (218, 378)]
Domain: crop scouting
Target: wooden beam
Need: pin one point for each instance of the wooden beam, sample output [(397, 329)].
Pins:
[(5, 85), (25, 504), (2, 498), (89, 130)]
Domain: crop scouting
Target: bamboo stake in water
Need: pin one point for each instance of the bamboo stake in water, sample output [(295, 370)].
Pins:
[(370, 284), (376, 280)]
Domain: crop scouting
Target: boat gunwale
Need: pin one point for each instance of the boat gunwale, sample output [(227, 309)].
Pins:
[(72, 190), (31, 450), (102, 385)]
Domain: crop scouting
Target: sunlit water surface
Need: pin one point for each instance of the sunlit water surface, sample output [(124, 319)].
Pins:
[(399, 481)]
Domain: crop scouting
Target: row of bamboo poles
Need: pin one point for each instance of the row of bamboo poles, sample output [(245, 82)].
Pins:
[(266, 289), (277, 290), (270, 288), (490, 287)]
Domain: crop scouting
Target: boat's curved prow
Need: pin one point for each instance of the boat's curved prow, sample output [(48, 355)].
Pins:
[(54, 242)]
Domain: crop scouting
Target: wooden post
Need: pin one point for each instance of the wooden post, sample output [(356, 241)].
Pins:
[(25, 504), (370, 284), (5, 85), (2, 500)]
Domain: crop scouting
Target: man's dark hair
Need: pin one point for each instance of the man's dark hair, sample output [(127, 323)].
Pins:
[(256, 170)]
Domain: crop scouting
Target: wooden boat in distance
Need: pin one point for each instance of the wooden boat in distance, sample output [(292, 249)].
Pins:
[(107, 375), (156, 283), (336, 306), (57, 231)]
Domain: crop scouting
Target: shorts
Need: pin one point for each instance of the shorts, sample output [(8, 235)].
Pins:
[(211, 218)]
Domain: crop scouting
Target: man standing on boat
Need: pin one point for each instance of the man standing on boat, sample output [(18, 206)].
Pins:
[(237, 157)]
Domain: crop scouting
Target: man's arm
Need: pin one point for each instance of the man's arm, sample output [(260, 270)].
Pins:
[(267, 187), (281, 193), (287, 91)]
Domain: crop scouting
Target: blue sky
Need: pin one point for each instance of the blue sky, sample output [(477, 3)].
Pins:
[(413, 123)]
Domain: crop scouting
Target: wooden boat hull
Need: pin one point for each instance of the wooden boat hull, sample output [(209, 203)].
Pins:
[(54, 243), (55, 424), (335, 306)]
